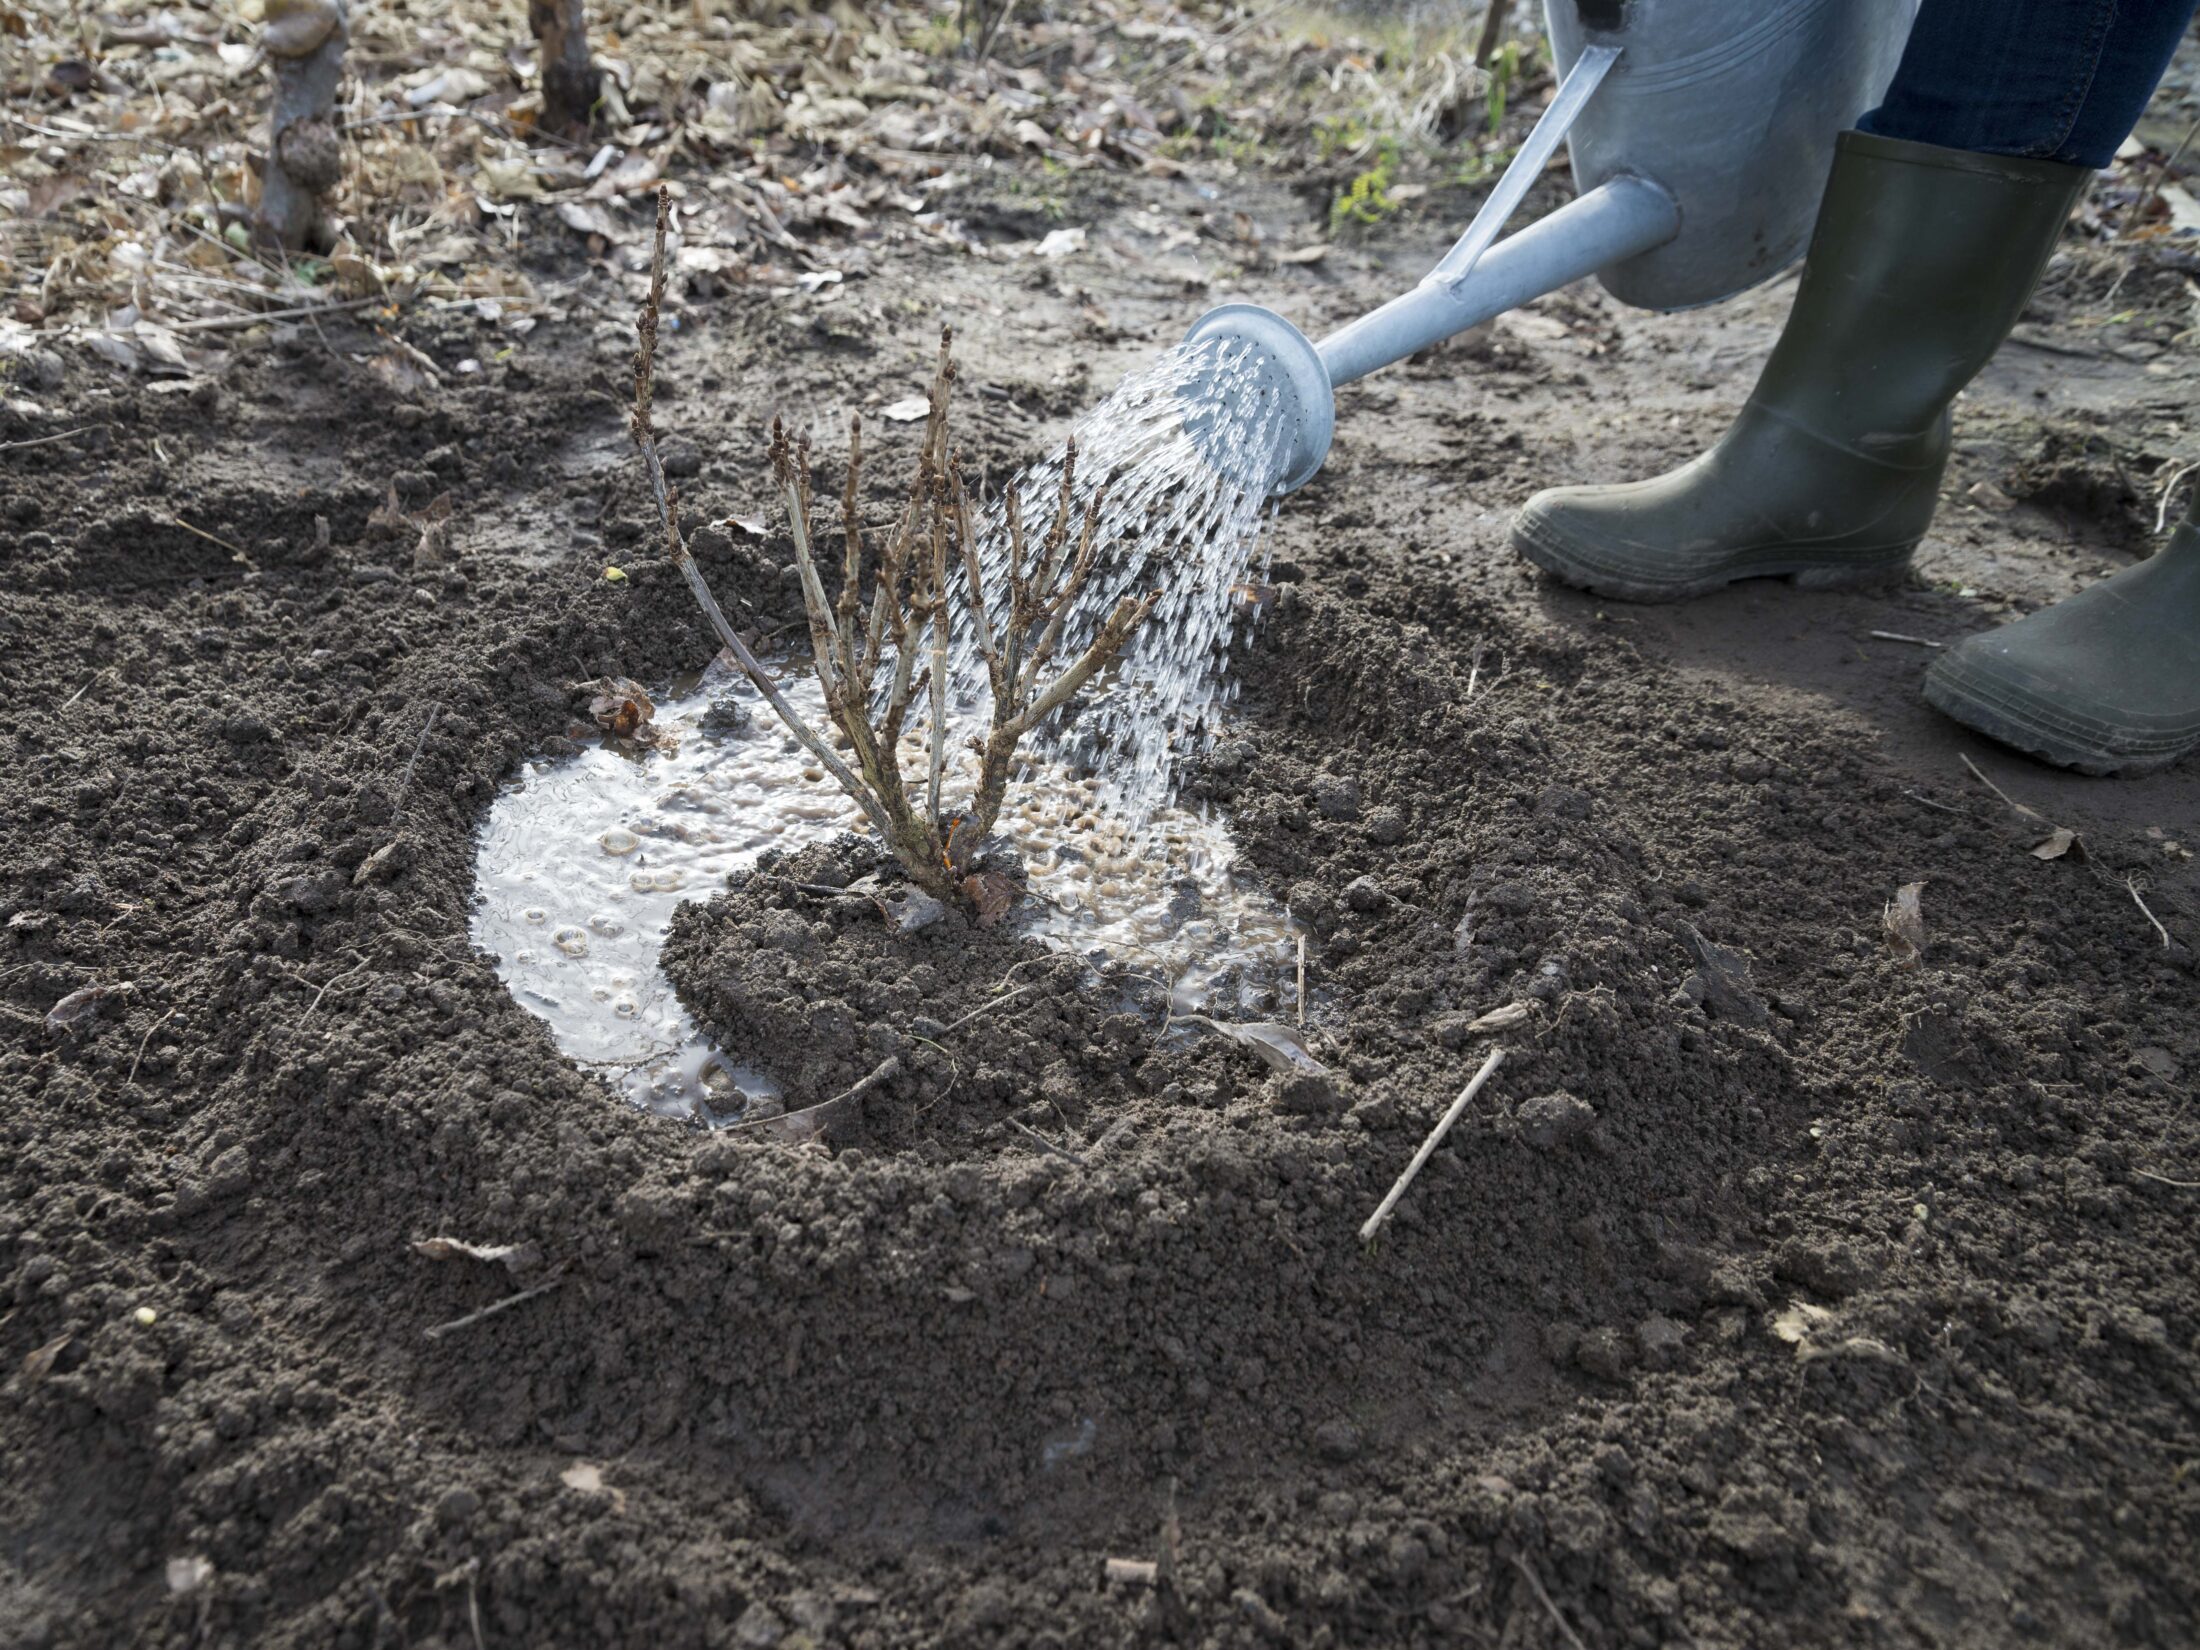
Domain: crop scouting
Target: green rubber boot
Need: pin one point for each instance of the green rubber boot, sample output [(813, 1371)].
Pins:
[(1922, 261), (2106, 682)]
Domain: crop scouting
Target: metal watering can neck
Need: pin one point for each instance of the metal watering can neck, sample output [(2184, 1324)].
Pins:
[(1482, 276), (1478, 278)]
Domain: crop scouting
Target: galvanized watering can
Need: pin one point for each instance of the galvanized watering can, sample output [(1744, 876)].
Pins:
[(1700, 133)]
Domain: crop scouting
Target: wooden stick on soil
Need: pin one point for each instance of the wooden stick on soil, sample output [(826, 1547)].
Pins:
[(2133, 888), (492, 1309), (1428, 1146), (2163, 1179), (1535, 1585)]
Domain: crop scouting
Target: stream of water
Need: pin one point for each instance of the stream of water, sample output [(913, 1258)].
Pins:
[(1183, 456)]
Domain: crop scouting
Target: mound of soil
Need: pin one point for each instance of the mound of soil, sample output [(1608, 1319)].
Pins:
[(1784, 1288)]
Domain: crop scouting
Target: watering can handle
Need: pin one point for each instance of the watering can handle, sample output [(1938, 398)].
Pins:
[(1550, 131)]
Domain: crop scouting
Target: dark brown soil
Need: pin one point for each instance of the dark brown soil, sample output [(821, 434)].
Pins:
[(1777, 1292)]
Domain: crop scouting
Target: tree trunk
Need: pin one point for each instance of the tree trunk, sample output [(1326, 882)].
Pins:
[(305, 41), (571, 83)]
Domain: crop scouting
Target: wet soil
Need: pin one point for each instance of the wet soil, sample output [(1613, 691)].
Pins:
[(1781, 1289)]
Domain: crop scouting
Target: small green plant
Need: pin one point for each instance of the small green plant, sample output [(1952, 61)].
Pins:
[(1339, 137), (1368, 200), (1481, 165), (1504, 73)]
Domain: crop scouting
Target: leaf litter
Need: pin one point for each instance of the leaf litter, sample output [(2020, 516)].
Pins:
[(812, 140)]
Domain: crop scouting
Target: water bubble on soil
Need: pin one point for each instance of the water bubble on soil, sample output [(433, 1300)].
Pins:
[(584, 858)]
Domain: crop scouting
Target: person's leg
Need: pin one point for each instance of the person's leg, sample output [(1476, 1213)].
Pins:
[(1922, 260), (1924, 256), (2061, 80), (2106, 682)]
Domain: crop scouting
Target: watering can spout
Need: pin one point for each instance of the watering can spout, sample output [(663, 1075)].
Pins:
[(1272, 360), (1267, 361), (1479, 277), (1618, 219)]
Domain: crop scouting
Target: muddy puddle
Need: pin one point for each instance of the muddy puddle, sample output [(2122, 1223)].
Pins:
[(585, 857)]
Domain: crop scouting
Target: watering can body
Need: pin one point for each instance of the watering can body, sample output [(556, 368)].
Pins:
[(1731, 106), (1701, 133)]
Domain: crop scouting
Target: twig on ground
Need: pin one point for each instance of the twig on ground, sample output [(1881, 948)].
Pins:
[(1043, 1143), (2027, 812), (1474, 667), (1302, 982), (1944, 807), (211, 538), (989, 1007), (2133, 888), (144, 1040), (1428, 1146), (2182, 1185), (1898, 636), (1535, 1585), (43, 440), (404, 781), (2139, 208), (492, 1309), (2169, 492), (86, 688), (297, 312)]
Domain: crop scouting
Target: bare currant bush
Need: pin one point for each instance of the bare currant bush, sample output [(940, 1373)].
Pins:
[(878, 659)]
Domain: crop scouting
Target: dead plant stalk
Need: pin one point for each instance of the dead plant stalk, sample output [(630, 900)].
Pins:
[(875, 661)]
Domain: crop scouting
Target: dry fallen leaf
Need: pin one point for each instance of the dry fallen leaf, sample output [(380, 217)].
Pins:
[(908, 909), (991, 893), (2058, 843), (1905, 920), (1503, 1018), (1727, 980), (1278, 1046), (83, 1003), (1794, 1324), (514, 1257), (39, 1364), (907, 410), (620, 707)]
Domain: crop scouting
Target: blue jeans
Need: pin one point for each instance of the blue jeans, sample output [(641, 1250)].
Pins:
[(2062, 80)]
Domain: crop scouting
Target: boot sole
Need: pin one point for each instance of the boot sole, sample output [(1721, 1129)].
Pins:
[(2064, 738), (1875, 567)]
